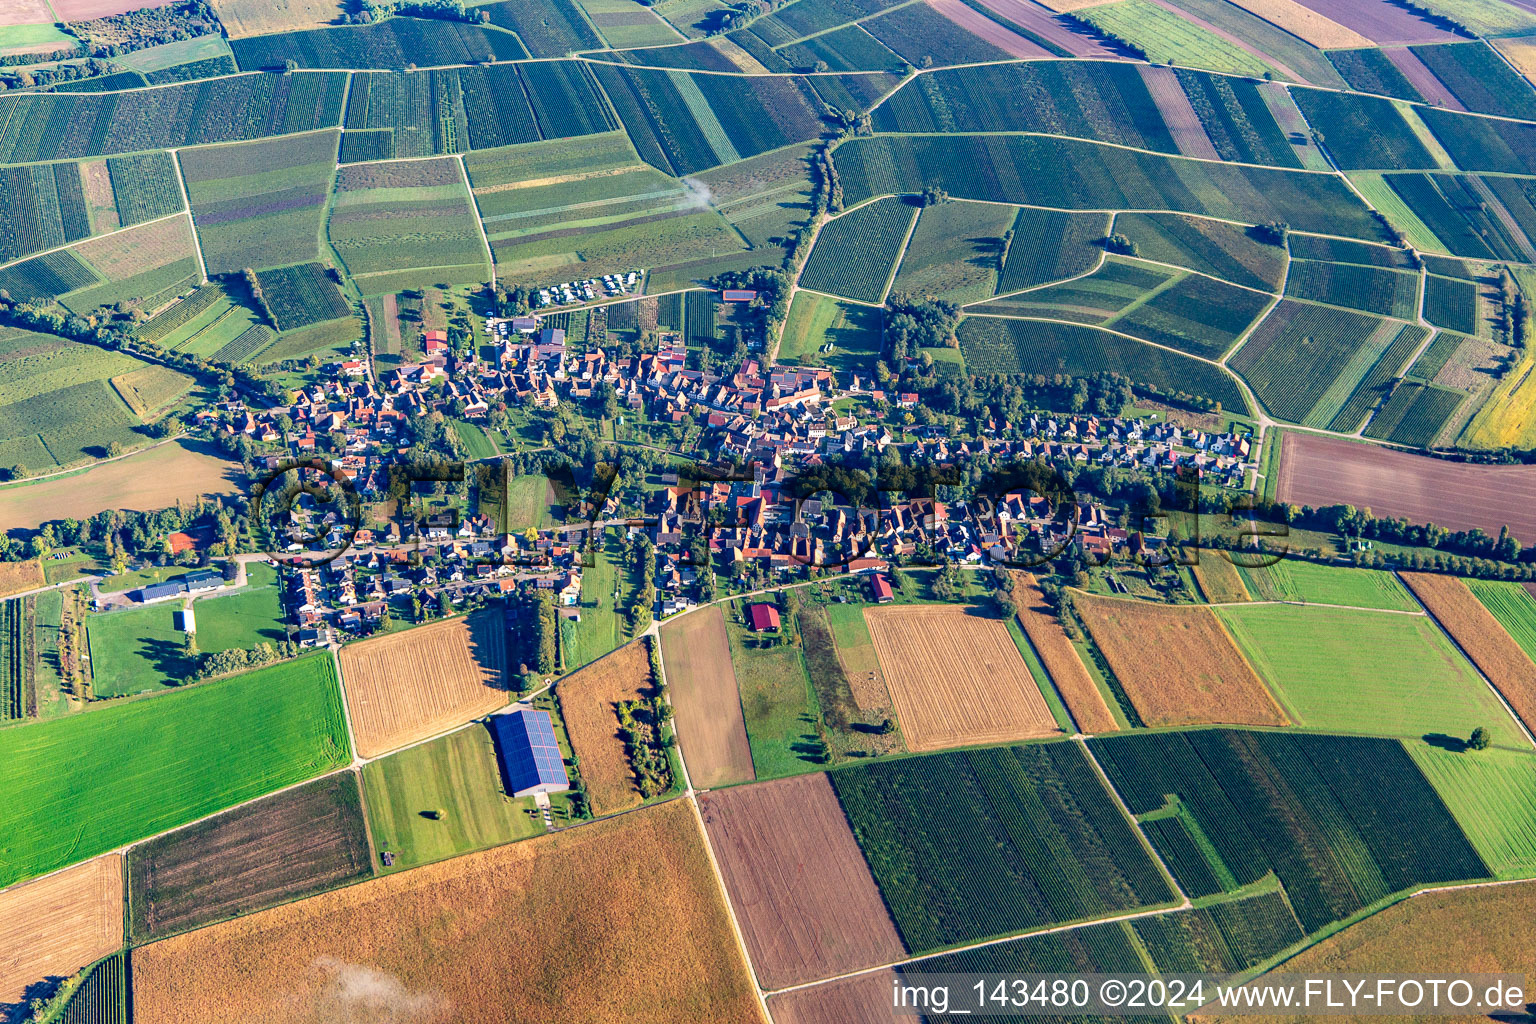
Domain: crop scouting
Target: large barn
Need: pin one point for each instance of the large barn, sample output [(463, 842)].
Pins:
[(530, 757)]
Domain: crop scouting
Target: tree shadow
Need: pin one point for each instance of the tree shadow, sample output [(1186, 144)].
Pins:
[(1455, 744), (168, 659), (14, 1013)]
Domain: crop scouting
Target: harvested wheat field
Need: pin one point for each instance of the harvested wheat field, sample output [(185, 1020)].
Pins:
[(803, 894), (864, 999), (258, 17), (1060, 659), (1305, 23), (404, 687), (588, 703), (56, 925), (955, 677), (697, 660), (618, 920), (1479, 634), (1177, 663), (1484, 930)]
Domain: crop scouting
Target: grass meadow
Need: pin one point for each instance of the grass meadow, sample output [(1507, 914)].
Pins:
[(1310, 583), (94, 781), (456, 774), (776, 702), (1368, 672), (1492, 794)]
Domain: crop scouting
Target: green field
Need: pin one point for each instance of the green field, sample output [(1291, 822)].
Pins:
[(1513, 606), (414, 216), (477, 443), (1369, 672), (1492, 793), (815, 321), (1168, 39), (956, 251), (530, 502), (136, 650), (92, 782), (601, 628), (245, 618), (776, 702), (1304, 808), (19, 36), (260, 204), (854, 254), (1293, 579), (997, 345), (1078, 175), (57, 406), (1210, 247), (457, 774)]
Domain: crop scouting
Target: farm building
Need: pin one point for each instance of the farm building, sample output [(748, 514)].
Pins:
[(530, 757), (738, 295), (880, 589), (187, 620), (763, 616)]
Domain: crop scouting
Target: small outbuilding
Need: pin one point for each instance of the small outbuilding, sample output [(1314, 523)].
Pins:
[(763, 616), (880, 589), (530, 757), (186, 620)]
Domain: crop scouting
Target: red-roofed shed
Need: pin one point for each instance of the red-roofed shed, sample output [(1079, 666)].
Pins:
[(880, 587), (763, 616)]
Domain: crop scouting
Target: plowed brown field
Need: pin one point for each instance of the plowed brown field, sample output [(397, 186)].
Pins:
[(404, 687), (588, 702), (864, 999), (1320, 471), (1177, 663), (802, 890), (710, 727), (56, 925), (1060, 658), (615, 921), (1473, 626), (955, 677)]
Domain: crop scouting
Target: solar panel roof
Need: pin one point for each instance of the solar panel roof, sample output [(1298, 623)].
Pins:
[(525, 740)]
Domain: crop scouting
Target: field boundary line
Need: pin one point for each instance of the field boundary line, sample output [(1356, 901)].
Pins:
[(474, 206), (720, 886), (901, 255), (1519, 723), (1146, 844), (1113, 145), (104, 234), (1169, 908), (197, 245)]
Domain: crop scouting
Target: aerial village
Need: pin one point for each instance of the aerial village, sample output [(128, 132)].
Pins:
[(779, 419)]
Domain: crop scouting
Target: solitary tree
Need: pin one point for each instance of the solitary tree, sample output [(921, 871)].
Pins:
[(1480, 739)]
